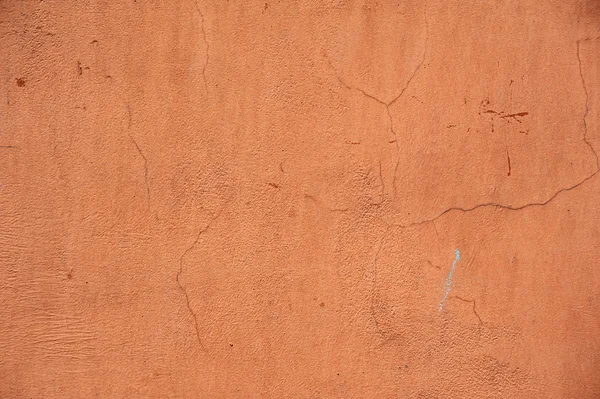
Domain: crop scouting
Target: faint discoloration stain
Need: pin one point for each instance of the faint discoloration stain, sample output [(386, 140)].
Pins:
[(448, 285)]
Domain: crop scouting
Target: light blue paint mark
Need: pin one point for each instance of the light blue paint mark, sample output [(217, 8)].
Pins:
[(448, 285)]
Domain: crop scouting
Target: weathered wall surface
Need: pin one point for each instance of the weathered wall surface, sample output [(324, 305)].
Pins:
[(305, 199)]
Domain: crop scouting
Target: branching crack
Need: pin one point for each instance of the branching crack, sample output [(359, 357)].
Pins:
[(385, 335), (553, 196), (515, 116), (139, 150), (388, 104), (180, 272), (474, 309), (205, 42)]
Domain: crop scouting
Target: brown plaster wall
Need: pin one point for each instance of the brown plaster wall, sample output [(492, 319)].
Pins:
[(270, 199)]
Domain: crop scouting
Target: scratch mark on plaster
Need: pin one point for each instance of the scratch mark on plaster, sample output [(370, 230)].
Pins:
[(432, 265), (514, 116), (448, 285), (180, 272)]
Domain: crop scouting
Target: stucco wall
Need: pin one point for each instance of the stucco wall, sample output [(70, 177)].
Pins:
[(338, 199)]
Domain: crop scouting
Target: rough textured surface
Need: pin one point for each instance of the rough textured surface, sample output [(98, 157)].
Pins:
[(264, 199)]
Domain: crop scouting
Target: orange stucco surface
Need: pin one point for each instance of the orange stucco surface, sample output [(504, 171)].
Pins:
[(337, 199)]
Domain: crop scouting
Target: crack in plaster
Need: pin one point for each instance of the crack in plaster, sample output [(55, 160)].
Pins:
[(388, 337), (474, 309), (388, 104), (139, 150), (204, 38), (494, 204), (180, 272), (557, 193)]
